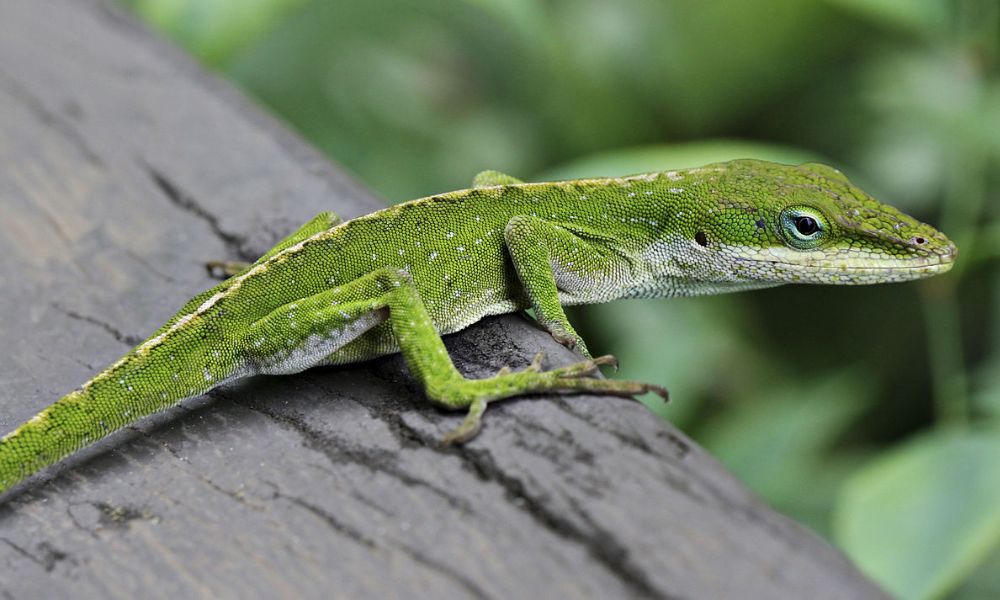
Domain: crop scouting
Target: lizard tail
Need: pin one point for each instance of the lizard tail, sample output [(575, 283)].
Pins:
[(147, 380)]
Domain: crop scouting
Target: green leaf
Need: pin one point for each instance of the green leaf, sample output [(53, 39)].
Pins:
[(214, 30), (923, 516), (983, 583), (779, 440), (911, 15), (675, 156)]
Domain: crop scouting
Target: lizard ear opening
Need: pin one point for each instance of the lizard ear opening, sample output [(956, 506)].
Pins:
[(701, 238)]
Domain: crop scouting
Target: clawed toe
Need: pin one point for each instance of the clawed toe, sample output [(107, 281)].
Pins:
[(607, 359), (535, 366), (565, 340), (660, 391)]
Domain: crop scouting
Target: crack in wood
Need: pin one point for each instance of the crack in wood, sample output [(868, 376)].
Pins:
[(172, 191), (128, 340)]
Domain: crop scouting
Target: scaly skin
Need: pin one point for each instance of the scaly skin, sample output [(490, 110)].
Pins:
[(396, 280)]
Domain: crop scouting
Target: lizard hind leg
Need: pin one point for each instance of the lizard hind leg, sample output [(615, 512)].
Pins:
[(428, 361)]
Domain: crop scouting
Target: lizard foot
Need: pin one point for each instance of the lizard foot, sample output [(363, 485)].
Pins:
[(223, 269), (478, 393)]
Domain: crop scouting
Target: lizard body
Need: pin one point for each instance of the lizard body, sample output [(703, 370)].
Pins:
[(396, 280)]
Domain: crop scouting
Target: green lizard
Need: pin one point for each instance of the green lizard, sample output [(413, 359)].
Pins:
[(396, 280)]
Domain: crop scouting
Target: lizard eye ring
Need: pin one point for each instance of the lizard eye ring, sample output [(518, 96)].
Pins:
[(803, 227)]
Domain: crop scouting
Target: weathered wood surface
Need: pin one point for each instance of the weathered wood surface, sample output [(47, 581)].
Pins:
[(123, 168)]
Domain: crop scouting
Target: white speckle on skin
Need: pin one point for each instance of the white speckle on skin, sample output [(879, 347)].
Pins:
[(631, 194), (450, 234), (676, 190), (401, 251), (460, 248), (207, 374), (434, 255)]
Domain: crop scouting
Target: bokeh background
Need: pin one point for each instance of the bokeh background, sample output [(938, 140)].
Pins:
[(871, 414)]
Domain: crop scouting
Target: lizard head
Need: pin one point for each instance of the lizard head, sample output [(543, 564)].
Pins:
[(810, 224)]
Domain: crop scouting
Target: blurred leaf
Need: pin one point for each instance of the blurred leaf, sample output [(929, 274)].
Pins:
[(414, 97), (666, 59), (653, 341), (674, 156), (929, 112), (527, 16), (214, 30), (922, 16), (778, 440), (987, 395), (984, 581), (924, 515)]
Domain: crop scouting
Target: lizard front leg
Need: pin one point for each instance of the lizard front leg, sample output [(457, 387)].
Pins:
[(543, 254)]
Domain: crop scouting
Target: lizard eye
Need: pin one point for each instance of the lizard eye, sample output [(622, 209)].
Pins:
[(803, 227), (807, 226)]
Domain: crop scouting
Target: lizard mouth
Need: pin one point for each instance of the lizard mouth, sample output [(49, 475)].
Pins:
[(865, 271)]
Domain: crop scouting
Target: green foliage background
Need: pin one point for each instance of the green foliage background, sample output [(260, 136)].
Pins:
[(872, 414)]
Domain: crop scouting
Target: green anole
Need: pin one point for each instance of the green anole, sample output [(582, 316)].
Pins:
[(398, 279)]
